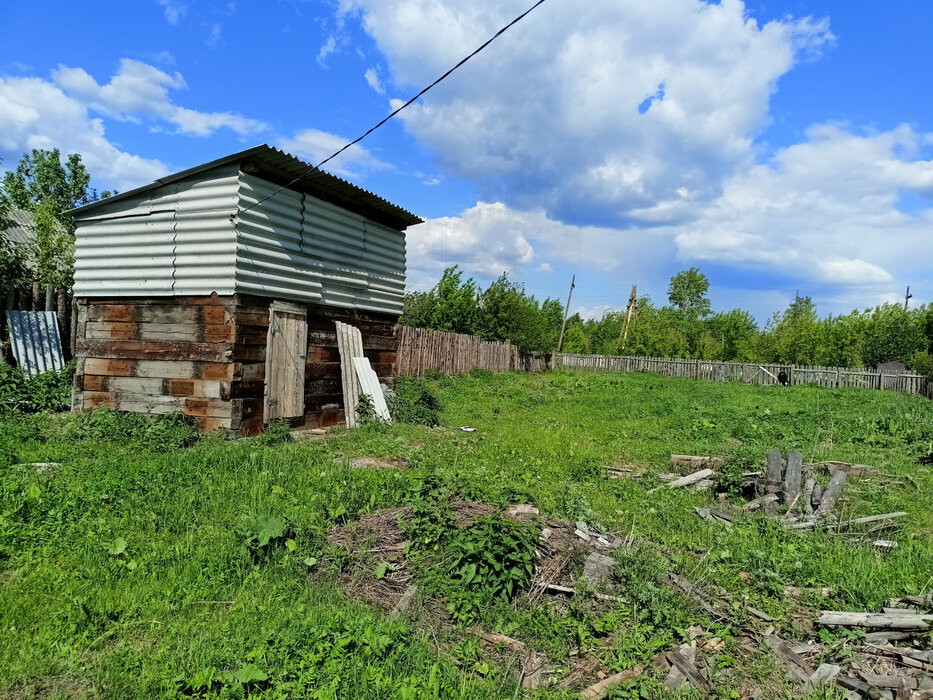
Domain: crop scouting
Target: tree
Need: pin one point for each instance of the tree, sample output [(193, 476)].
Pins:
[(40, 178), (893, 333), (735, 332), (47, 188), (687, 293)]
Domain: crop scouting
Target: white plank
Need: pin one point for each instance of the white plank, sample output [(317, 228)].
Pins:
[(350, 345), (369, 383)]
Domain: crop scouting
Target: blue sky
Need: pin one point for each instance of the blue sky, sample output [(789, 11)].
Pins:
[(780, 146)]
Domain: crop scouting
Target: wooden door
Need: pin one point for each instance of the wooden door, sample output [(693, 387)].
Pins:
[(286, 356)]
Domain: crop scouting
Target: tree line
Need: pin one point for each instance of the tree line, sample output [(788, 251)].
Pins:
[(685, 327)]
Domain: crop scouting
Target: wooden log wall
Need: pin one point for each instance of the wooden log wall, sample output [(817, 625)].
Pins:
[(205, 357), (750, 373), (421, 349), (201, 356)]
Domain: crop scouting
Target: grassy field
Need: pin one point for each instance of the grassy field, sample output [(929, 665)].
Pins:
[(138, 566)]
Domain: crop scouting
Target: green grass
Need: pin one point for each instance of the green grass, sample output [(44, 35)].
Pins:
[(140, 568)]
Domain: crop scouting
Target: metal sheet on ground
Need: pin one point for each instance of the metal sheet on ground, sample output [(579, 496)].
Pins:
[(369, 384), (37, 345)]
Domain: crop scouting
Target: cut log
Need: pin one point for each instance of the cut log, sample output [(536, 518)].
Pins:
[(597, 691), (694, 462), (831, 494), (691, 479), (904, 622), (792, 477), (773, 472), (816, 495)]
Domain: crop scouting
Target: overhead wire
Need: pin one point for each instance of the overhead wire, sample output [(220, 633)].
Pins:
[(355, 141)]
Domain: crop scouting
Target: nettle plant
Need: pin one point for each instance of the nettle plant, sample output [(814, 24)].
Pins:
[(492, 560)]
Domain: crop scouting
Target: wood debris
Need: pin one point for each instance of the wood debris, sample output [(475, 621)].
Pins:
[(599, 690), (694, 462), (898, 621)]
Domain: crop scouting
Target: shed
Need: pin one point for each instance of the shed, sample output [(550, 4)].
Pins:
[(214, 293)]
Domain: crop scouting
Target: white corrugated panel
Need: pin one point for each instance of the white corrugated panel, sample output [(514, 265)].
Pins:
[(364, 262), (205, 236), (177, 239), (270, 258), (37, 345)]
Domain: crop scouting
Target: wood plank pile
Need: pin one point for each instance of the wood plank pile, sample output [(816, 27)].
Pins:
[(792, 492)]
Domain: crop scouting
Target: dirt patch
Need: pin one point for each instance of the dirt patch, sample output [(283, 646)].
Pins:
[(395, 463), (51, 687)]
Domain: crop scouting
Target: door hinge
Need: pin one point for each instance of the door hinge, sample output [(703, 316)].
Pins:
[(272, 402), (273, 331)]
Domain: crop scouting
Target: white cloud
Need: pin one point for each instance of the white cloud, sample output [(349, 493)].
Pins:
[(174, 10), (825, 208), (35, 113), (327, 48), (621, 136), (491, 238), (545, 268), (593, 312), (315, 146), (549, 115), (213, 39), (372, 79), (140, 90)]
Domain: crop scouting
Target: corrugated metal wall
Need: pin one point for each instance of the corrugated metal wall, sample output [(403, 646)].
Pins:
[(174, 240), (179, 240), (298, 247)]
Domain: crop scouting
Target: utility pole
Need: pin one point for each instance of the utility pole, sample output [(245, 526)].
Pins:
[(563, 326), (629, 313), (907, 297)]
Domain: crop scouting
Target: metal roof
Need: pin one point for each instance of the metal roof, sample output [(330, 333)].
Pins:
[(280, 167), (21, 233)]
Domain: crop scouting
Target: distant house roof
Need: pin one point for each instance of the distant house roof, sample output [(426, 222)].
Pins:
[(893, 367), (281, 168), (20, 231)]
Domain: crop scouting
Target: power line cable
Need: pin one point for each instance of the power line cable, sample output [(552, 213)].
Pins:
[(395, 112)]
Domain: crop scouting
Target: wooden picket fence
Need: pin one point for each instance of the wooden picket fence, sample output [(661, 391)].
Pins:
[(420, 350), (750, 373)]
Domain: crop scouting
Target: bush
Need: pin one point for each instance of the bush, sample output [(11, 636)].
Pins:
[(49, 391), (415, 402), (922, 363), (172, 431)]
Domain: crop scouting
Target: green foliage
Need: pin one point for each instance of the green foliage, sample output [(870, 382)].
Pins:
[(49, 391), (47, 187), (277, 432), (503, 311), (490, 561), (124, 569), (687, 293), (166, 433), (684, 329), (414, 402), (259, 535)]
